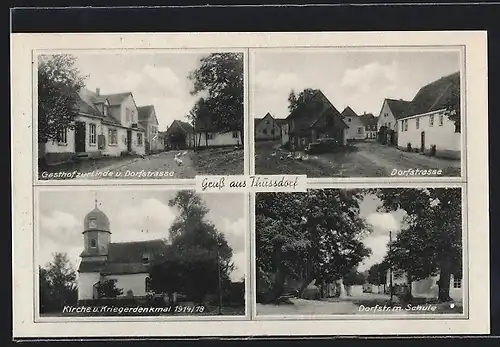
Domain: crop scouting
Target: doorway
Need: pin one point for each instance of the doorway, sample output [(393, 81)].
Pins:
[(129, 140), (80, 137), (422, 141)]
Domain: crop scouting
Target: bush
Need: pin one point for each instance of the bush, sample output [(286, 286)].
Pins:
[(408, 147)]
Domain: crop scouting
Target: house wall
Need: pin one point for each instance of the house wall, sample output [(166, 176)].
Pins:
[(443, 136), (139, 149), (86, 283), (355, 290), (356, 130), (267, 129), (134, 282), (128, 102), (386, 118), (218, 139), (121, 135)]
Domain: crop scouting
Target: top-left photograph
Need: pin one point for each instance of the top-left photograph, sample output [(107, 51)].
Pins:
[(139, 115)]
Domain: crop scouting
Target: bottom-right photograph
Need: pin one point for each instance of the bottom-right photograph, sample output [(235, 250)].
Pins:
[(393, 251)]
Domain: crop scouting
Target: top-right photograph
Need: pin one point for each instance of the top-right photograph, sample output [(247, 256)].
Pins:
[(357, 113)]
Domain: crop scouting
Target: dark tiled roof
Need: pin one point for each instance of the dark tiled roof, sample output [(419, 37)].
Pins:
[(131, 252), (86, 102), (145, 111), (183, 126), (348, 111), (398, 107), (318, 105), (434, 96), (91, 266), (368, 119), (256, 121), (117, 99)]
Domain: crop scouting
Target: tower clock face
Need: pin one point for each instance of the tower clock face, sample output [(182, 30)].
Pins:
[(92, 224)]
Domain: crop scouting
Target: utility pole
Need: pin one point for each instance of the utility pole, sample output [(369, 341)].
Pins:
[(390, 264), (219, 281)]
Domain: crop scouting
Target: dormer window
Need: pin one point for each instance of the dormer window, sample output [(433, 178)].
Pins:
[(145, 259), (105, 110)]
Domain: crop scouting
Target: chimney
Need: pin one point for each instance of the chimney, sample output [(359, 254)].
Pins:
[(98, 91)]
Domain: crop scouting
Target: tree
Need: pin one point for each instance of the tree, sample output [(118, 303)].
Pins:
[(107, 289), (452, 105), (305, 99), (354, 277), (198, 256), (57, 284), (377, 274), (431, 242), (220, 80), (59, 83), (311, 236)]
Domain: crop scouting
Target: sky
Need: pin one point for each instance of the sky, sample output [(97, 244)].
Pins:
[(130, 211), (381, 224), (360, 79), (158, 79)]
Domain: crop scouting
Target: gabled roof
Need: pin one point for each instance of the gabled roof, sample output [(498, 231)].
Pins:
[(126, 257), (434, 95), (86, 103), (280, 121), (117, 99), (256, 121), (315, 108), (178, 124), (398, 107), (368, 119), (348, 111), (144, 112)]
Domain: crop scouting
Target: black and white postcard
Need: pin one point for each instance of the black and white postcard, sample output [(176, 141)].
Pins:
[(250, 184), (388, 251), (387, 112), (140, 252), (149, 115)]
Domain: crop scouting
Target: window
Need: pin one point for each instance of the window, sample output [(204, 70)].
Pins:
[(127, 114), (63, 136), (112, 136), (139, 139), (132, 116), (402, 125), (210, 136), (105, 110), (272, 131), (349, 119), (267, 121), (360, 130), (431, 121), (235, 134), (264, 131), (457, 283), (389, 125), (286, 131), (440, 120), (147, 284), (92, 134), (406, 124), (417, 123), (145, 259), (93, 243), (386, 114)]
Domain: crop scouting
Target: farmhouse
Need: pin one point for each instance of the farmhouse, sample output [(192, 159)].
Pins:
[(106, 125), (148, 121), (266, 128), (427, 287), (316, 119), (179, 135), (426, 125), (356, 130), (127, 263), (207, 135), (391, 112), (370, 123)]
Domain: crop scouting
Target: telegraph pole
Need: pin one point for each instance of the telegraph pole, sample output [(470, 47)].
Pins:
[(390, 264), (219, 281)]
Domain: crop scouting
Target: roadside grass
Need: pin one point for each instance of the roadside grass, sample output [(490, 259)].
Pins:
[(219, 161)]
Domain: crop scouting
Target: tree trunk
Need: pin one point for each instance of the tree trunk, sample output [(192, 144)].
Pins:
[(341, 288), (444, 284)]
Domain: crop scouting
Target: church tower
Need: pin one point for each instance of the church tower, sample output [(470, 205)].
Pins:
[(96, 235)]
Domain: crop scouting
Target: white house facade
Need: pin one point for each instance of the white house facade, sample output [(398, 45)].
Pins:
[(426, 126), (218, 139), (356, 127), (105, 126), (266, 128), (149, 122)]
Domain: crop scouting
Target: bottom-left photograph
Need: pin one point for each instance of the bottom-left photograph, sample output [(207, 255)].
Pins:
[(140, 252)]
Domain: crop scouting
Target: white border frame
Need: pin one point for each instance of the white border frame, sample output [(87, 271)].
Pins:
[(475, 43)]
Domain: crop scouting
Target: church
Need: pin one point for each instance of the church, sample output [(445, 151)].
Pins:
[(101, 260)]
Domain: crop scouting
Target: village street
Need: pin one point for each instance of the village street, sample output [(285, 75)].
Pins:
[(164, 165), (363, 304), (363, 159)]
